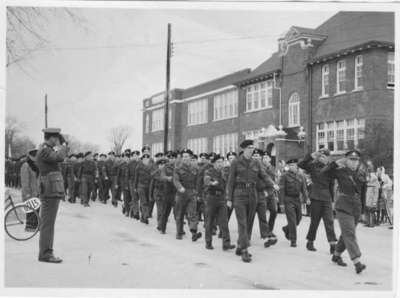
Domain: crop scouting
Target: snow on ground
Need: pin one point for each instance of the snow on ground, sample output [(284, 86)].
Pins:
[(103, 249)]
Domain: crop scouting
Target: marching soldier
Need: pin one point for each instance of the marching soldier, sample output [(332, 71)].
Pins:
[(241, 191), (70, 175), (115, 189), (203, 161), (134, 209), (215, 200), (230, 157), (102, 170), (351, 184), (87, 175), (77, 169), (96, 180), (321, 197), (261, 206), (157, 157), (142, 185), (108, 177), (124, 182), (185, 178), (293, 189), (271, 200), (49, 156)]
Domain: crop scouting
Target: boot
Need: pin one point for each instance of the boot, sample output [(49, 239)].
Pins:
[(310, 246), (179, 236), (272, 241), (332, 248), (209, 245), (195, 236), (286, 232), (246, 256), (338, 260), (293, 244), (238, 252), (359, 267), (228, 247), (267, 244)]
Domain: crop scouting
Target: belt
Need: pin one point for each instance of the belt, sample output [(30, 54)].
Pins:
[(245, 185)]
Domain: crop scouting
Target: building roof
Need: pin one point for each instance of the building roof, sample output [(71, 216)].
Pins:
[(215, 83), (304, 30), (270, 65), (348, 29)]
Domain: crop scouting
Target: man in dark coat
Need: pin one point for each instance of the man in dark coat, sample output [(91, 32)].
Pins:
[(49, 156), (321, 197), (87, 175)]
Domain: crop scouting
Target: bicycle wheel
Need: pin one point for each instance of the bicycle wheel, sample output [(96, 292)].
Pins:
[(21, 222)]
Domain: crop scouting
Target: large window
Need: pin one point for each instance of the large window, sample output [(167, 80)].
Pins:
[(197, 112), (294, 110), (226, 105), (358, 64), (259, 96), (197, 145), (147, 123), (390, 74), (157, 121), (341, 77), (325, 81), (156, 148), (225, 143), (340, 135)]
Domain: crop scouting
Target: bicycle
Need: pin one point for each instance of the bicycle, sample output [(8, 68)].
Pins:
[(21, 220)]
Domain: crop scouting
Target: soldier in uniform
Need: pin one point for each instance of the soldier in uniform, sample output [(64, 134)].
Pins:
[(96, 180), (216, 208), (157, 157), (241, 190), (49, 156), (261, 207), (124, 182), (115, 189), (102, 171), (321, 197), (202, 162), (351, 184), (185, 178), (230, 157), (142, 185), (134, 208), (108, 178), (293, 189), (7, 173), (77, 169), (271, 200), (64, 172), (70, 175), (87, 175)]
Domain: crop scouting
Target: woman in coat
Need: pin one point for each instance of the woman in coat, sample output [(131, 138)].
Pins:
[(371, 196), (30, 186)]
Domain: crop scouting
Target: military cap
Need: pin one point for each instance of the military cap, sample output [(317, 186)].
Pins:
[(96, 154), (293, 160), (353, 154), (127, 151), (52, 130), (88, 153), (135, 152), (246, 143), (194, 156), (159, 154), (324, 151), (111, 153), (146, 155), (203, 154), (258, 151), (145, 147), (216, 157), (187, 151), (32, 152), (162, 160), (102, 154), (171, 154), (230, 153)]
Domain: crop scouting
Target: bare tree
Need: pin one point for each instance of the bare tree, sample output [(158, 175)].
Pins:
[(77, 146), (13, 127), (26, 27), (21, 145), (118, 137)]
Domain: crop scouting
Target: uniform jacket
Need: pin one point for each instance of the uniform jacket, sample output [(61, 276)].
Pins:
[(88, 168), (351, 188), (102, 169), (292, 185), (123, 175), (48, 161), (247, 171), (131, 169), (185, 175), (200, 178), (211, 174), (29, 182), (143, 175), (69, 171), (322, 184)]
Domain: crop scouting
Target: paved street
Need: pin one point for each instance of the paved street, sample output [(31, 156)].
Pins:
[(101, 248)]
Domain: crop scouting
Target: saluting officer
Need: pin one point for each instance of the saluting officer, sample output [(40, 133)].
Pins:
[(241, 190), (185, 178), (142, 185), (351, 184), (87, 175), (293, 189), (321, 197), (133, 163), (49, 156), (216, 204)]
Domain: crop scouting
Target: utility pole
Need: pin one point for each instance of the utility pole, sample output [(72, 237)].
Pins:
[(166, 120), (45, 111)]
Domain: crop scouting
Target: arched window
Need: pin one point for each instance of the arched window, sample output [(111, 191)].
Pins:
[(294, 110), (147, 124)]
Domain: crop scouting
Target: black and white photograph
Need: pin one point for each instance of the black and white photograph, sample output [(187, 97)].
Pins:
[(198, 146)]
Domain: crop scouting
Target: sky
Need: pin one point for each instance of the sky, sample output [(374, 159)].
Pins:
[(97, 74)]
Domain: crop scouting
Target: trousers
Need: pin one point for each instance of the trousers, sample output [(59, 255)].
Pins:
[(134, 199), (216, 211), (143, 194), (261, 211), (293, 216), (48, 214), (273, 212), (186, 204), (348, 239), (321, 209), (87, 188), (245, 208)]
